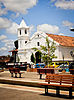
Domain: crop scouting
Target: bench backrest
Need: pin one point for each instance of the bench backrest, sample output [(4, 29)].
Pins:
[(14, 70), (11, 70), (45, 70), (61, 79)]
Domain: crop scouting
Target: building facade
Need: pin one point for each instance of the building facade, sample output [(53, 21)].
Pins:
[(64, 44)]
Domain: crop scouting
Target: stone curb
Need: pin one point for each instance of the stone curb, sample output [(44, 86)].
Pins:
[(28, 83)]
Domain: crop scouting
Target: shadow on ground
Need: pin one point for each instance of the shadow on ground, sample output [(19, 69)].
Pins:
[(60, 96)]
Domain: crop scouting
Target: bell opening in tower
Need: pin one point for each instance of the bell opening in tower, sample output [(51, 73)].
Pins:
[(25, 31)]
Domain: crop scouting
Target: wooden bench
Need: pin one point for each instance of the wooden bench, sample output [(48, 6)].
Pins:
[(15, 71), (71, 71), (44, 71), (59, 82)]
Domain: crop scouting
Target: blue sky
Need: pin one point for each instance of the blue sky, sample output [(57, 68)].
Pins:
[(50, 16)]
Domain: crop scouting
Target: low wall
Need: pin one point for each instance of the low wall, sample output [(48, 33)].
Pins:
[(31, 69)]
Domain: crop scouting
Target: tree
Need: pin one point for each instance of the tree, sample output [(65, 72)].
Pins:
[(33, 58), (16, 44), (18, 59), (47, 52), (8, 55), (38, 57)]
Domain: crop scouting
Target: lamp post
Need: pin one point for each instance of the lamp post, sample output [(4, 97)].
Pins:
[(72, 52), (63, 61)]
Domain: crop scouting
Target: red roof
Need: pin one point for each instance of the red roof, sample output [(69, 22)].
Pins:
[(62, 40)]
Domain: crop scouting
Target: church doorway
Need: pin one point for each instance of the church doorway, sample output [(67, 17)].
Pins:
[(38, 57)]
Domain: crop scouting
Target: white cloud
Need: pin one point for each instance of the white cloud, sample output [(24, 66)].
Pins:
[(13, 28), (68, 24), (20, 6), (53, 0), (3, 49), (64, 4), (48, 28), (32, 28), (9, 43), (4, 23), (5, 41), (13, 16), (2, 11), (3, 37), (61, 34)]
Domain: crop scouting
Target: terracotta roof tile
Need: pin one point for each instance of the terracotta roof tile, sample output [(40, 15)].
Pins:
[(63, 40)]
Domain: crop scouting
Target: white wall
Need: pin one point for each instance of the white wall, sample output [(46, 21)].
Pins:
[(63, 51), (26, 56)]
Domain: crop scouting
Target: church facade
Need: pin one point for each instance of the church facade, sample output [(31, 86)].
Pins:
[(64, 44)]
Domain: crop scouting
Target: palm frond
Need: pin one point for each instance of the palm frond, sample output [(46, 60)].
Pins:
[(35, 49), (43, 48)]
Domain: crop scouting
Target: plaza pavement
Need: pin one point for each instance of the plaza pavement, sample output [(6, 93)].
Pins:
[(21, 90), (28, 78), (13, 94)]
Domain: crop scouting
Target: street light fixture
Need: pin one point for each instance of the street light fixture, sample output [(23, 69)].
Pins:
[(72, 29)]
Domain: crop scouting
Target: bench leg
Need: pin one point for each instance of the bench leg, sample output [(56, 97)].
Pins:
[(46, 89), (40, 76), (70, 93), (19, 75), (11, 74), (57, 91), (16, 75)]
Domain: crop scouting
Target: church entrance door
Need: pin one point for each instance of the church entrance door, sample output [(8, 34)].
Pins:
[(38, 57)]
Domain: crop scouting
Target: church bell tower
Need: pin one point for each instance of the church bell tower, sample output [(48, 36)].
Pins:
[(23, 38), (23, 34)]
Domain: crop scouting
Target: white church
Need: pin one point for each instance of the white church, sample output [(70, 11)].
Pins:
[(64, 44)]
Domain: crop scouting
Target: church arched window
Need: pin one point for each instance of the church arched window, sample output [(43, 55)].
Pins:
[(25, 42)]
